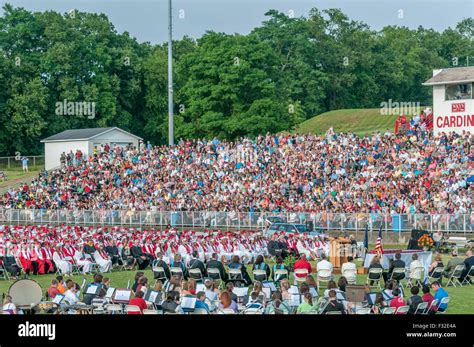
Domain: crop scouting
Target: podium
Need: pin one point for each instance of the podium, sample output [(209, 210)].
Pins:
[(339, 250)]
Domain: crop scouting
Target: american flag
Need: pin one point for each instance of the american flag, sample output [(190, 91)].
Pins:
[(378, 243)]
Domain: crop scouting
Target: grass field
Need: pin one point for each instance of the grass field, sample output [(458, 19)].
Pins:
[(359, 121), (16, 176), (462, 298)]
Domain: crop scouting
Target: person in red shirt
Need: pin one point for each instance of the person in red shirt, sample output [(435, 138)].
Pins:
[(302, 264), (397, 301), (138, 301), (428, 297), (53, 289)]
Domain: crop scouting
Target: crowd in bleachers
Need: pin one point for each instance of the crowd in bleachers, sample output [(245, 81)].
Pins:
[(410, 172)]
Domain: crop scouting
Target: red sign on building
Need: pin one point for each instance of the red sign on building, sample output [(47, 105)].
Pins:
[(458, 107)]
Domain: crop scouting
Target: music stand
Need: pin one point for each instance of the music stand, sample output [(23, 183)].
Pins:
[(122, 296)]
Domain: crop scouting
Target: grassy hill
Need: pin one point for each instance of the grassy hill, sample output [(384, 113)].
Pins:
[(359, 121)]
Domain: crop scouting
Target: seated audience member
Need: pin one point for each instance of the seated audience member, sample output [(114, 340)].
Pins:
[(70, 296), (397, 301), (387, 292), (332, 286), (179, 263), (374, 264), (200, 302), (394, 264), (173, 285), (468, 263), (214, 263), (229, 287), (196, 263), (349, 270), (53, 289), (279, 266), (342, 283), (61, 287), (438, 262), (452, 263), (311, 283), (302, 263), (135, 284), (324, 268), (142, 285), (100, 301), (307, 305), (258, 288), (210, 290), (416, 267), (440, 293), (255, 301), (333, 304), (236, 264), (138, 301), (171, 302), (87, 299), (261, 265), (427, 297), (284, 288), (159, 262), (227, 303), (8, 306), (379, 304), (277, 305), (414, 300)]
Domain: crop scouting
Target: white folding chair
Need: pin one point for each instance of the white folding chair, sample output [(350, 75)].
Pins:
[(397, 273), (260, 275), (132, 309), (469, 275), (444, 300), (176, 271), (300, 279), (200, 311), (389, 310), (147, 311), (436, 274), (215, 275), (402, 310), (160, 271), (196, 274), (363, 310), (4, 273), (330, 312), (375, 278), (252, 311), (226, 311), (235, 275), (350, 275), (456, 276), (433, 303), (421, 308), (323, 276), (280, 274), (114, 309), (416, 277)]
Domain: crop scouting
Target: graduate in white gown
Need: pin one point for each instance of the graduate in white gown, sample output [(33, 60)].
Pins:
[(103, 260), (81, 260), (63, 265)]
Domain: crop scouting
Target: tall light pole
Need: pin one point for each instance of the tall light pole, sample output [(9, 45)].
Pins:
[(170, 77)]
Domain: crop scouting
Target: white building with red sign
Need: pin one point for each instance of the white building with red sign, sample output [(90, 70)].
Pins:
[(453, 102)]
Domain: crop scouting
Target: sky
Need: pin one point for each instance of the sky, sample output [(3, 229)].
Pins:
[(147, 20)]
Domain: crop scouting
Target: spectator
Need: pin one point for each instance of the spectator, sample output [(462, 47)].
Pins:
[(414, 300), (333, 304), (349, 270), (452, 263), (397, 300), (307, 305), (427, 297), (138, 301), (468, 263), (302, 264), (53, 289), (440, 294)]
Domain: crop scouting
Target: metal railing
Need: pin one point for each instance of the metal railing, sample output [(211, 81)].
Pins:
[(352, 222)]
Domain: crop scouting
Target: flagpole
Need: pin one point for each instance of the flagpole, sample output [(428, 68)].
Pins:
[(170, 77)]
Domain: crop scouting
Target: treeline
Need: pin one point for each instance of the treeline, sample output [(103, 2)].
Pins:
[(283, 72)]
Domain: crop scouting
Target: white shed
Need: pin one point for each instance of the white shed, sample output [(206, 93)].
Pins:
[(84, 140), (453, 102)]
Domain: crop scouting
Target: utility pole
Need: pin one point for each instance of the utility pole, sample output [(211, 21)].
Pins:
[(170, 77)]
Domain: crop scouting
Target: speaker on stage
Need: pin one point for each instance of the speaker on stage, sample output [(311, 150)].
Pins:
[(415, 235)]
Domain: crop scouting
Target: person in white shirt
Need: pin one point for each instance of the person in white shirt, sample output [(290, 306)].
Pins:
[(324, 268), (103, 260), (64, 266), (8, 306), (416, 268), (70, 294), (81, 260), (349, 270)]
